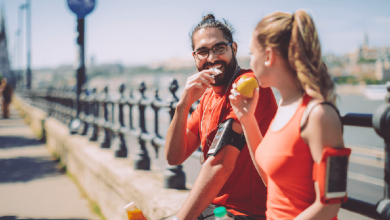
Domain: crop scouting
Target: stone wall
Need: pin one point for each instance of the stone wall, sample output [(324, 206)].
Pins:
[(110, 182)]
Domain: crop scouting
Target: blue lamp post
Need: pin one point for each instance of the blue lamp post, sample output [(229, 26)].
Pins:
[(81, 8)]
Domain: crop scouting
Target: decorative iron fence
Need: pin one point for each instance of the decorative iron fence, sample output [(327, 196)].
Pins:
[(93, 115)]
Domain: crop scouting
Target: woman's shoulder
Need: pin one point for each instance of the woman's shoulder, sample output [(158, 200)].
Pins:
[(319, 109), (323, 128)]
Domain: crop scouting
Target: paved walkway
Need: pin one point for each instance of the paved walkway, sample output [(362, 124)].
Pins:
[(31, 184)]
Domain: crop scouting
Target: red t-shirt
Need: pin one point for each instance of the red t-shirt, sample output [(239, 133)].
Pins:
[(244, 192)]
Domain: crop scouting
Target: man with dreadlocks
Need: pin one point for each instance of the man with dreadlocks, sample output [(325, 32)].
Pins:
[(228, 177)]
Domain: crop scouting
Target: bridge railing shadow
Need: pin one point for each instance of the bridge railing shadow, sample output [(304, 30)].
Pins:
[(110, 120)]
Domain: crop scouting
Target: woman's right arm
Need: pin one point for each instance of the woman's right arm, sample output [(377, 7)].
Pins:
[(244, 109)]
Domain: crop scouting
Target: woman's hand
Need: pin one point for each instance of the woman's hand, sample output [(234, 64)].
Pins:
[(196, 85), (243, 107)]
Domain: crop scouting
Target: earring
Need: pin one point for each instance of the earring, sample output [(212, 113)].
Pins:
[(266, 63)]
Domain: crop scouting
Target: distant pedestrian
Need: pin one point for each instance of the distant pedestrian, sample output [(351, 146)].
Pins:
[(6, 91)]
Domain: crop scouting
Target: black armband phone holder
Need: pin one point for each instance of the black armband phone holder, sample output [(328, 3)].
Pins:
[(331, 175), (226, 136)]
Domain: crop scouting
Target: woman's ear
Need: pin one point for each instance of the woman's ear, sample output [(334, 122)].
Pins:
[(234, 47), (269, 56)]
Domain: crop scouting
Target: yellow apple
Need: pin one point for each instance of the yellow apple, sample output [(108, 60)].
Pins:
[(245, 86)]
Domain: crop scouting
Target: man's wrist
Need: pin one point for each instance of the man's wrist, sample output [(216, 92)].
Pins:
[(183, 107)]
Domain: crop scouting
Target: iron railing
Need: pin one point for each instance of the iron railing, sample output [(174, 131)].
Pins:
[(94, 116)]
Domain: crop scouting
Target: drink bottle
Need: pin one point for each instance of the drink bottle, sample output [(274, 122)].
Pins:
[(221, 214), (134, 213)]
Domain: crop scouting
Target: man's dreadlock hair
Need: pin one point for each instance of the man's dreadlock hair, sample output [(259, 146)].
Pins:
[(209, 21)]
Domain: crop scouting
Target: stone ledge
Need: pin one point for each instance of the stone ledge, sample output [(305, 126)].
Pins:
[(110, 182), (32, 116)]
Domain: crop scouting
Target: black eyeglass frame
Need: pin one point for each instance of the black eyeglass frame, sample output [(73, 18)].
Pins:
[(195, 53)]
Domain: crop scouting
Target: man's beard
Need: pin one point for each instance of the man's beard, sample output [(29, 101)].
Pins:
[(230, 69)]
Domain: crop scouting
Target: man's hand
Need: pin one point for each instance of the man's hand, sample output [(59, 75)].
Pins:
[(196, 85)]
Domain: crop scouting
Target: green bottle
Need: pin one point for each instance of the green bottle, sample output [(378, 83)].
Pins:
[(221, 214)]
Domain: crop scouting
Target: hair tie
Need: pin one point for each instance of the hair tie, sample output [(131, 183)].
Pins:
[(292, 17)]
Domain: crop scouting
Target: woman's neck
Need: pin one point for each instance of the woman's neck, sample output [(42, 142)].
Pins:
[(289, 91)]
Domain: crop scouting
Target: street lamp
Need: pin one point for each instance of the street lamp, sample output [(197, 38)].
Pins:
[(28, 38), (81, 8), (15, 61), (20, 42)]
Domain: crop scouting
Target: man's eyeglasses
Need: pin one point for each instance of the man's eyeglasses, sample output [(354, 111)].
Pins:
[(217, 50)]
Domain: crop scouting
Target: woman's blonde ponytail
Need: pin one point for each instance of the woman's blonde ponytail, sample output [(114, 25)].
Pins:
[(296, 38)]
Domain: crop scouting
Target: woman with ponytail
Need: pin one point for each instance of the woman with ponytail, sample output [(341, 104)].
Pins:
[(286, 54)]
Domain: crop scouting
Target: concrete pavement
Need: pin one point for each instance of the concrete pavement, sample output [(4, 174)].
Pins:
[(31, 184)]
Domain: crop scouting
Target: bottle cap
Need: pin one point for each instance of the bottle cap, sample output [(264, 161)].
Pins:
[(220, 211), (130, 207)]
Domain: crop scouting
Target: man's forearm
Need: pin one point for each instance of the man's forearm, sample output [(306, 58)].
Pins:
[(209, 183), (176, 139)]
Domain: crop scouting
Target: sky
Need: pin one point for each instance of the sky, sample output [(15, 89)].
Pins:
[(142, 32)]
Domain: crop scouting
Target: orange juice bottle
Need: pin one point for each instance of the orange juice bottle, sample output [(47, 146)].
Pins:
[(134, 213)]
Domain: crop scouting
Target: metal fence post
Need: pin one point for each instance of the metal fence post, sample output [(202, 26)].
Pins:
[(50, 101), (381, 124), (58, 103), (174, 177), (96, 110), (73, 111), (120, 141), (84, 109), (157, 140), (64, 106), (104, 123), (131, 103), (90, 112), (141, 156)]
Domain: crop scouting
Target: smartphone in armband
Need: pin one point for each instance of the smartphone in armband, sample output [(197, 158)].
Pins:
[(218, 137), (226, 136), (331, 175)]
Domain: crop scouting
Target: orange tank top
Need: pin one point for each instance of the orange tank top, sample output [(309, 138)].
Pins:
[(287, 161)]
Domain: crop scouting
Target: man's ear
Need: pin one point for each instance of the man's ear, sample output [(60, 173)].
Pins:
[(193, 54), (234, 47)]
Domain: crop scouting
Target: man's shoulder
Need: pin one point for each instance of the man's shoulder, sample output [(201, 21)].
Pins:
[(245, 72), (206, 95)]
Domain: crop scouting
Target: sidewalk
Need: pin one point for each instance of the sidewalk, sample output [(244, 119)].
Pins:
[(31, 184)]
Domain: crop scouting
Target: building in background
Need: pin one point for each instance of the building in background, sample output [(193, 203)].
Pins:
[(382, 65), (366, 63)]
